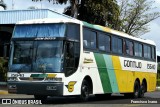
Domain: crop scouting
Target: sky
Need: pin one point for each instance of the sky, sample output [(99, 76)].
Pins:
[(154, 26)]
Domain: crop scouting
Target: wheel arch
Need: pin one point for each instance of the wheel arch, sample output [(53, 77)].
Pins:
[(138, 80), (89, 80), (145, 83)]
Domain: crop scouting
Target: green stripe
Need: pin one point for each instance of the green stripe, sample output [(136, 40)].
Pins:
[(111, 73), (88, 25), (38, 75), (92, 26), (103, 73)]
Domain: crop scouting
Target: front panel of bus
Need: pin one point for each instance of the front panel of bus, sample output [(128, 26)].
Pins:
[(42, 55)]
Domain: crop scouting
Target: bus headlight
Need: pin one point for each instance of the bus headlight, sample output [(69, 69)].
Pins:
[(12, 79), (53, 79)]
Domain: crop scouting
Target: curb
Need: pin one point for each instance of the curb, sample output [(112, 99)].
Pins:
[(3, 92)]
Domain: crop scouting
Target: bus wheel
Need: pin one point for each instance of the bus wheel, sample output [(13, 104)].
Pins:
[(142, 90), (40, 97), (136, 89), (85, 91)]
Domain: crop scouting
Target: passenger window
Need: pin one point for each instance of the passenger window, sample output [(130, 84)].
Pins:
[(89, 39), (147, 51), (153, 52), (116, 45), (104, 42), (129, 47), (119, 46), (138, 49)]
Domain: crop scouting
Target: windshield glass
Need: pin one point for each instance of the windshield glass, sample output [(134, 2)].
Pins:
[(37, 56), (39, 30)]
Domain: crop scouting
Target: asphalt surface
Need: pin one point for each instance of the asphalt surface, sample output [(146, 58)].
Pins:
[(116, 100)]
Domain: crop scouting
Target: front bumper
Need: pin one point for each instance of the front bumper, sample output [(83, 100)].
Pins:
[(36, 88)]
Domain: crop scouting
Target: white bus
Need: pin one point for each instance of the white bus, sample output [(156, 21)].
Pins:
[(57, 57)]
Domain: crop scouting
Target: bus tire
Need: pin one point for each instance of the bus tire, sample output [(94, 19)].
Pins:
[(40, 97), (136, 91), (142, 90), (85, 91)]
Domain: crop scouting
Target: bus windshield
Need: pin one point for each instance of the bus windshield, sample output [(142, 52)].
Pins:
[(37, 56)]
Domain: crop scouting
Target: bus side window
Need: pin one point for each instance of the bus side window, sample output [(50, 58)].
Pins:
[(129, 47), (137, 49), (89, 39), (147, 51), (72, 58), (117, 45), (153, 52)]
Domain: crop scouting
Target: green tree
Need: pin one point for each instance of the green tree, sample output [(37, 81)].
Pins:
[(73, 5), (2, 4), (135, 16), (130, 16), (102, 12)]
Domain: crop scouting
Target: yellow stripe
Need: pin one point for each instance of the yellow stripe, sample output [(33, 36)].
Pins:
[(51, 75), (126, 79), (120, 75), (105, 28)]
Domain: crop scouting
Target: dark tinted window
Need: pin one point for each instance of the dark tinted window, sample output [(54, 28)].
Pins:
[(104, 42), (89, 39), (128, 47), (147, 51), (153, 52), (138, 49), (72, 57), (116, 45), (73, 31)]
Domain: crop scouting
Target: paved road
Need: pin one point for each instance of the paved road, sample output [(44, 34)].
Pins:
[(117, 100)]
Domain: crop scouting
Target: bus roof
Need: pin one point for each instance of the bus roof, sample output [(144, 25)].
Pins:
[(119, 33), (97, 27), (50, 20)]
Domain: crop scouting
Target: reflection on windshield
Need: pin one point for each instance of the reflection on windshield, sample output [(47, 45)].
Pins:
[(48, 56), (37, 56), (23, 52)]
